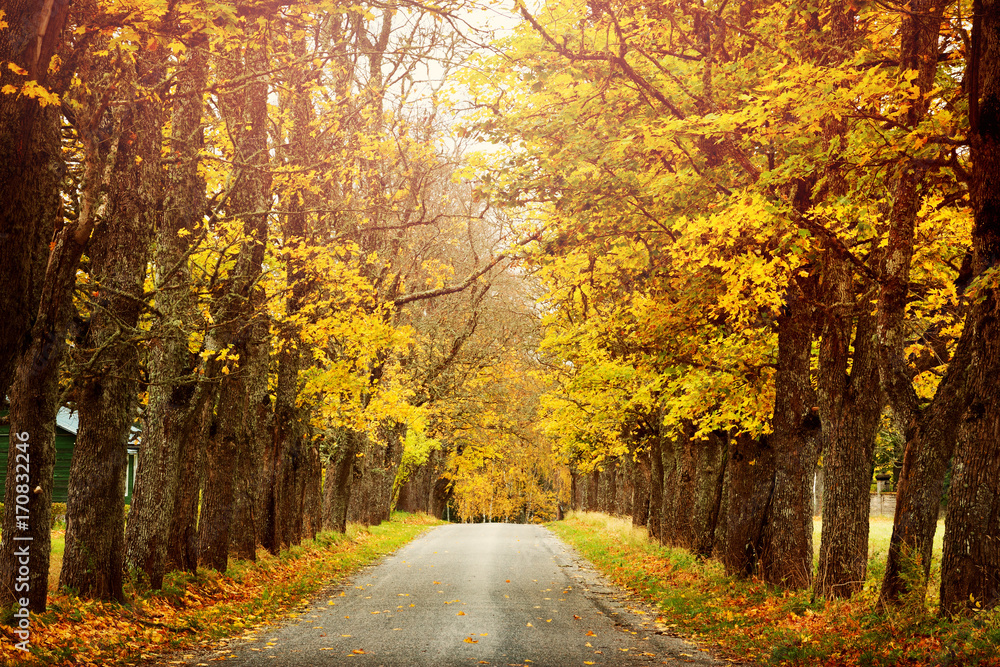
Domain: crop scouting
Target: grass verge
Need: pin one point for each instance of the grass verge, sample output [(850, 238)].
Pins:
[(749, 621), (193, 611)]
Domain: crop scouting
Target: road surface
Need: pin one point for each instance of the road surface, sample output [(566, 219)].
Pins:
[(470, 594)]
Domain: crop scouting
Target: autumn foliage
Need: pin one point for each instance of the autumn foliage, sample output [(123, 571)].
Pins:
[(199, 614)]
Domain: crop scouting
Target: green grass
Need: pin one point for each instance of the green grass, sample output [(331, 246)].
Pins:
[(750, 621), (56, 557)]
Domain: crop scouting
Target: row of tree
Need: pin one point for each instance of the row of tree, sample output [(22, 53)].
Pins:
[(769, 231), (239, 225)]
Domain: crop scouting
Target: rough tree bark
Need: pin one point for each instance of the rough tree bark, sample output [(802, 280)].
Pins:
[(339, 478), (640, 488), (709, 459), (931, 431), (244, 111), (371, 497), (750, 471), (107, 388), (654, 524), (30, 170), (786, 557), (970, 567), (243, 535), (849, 406), (34, 394), (182, 533), (174, 392), (850, 409), (672, 457)]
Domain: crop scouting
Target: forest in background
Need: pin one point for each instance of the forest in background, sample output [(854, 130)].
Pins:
[(241, 227), (710, 245), (768, 241)]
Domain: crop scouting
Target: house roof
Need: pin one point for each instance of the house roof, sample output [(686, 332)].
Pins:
[(68, 420)]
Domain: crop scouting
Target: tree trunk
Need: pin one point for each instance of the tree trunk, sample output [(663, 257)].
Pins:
[(574, 489), (35, 390), (243, 535), (672, 458), (641, 489), (173, 391), (371, 497), (312, 497), (931, 431), (244, 385), (237, 310), (655, 522), (751, 486), (339, 477), (929, 447), (263, 429), (182, 533), (33, 406), (787, 556), (216, 513), (970, 568), (93, 561), (285, 447), (850, 409), (31, 169), (710, 468)]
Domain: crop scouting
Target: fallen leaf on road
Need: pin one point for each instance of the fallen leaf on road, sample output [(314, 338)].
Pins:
[(530, 625), (470, 640), (461, 613), (358, 651), (591, 633)]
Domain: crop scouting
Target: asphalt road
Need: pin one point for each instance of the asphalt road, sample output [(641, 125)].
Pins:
[(472, 594)]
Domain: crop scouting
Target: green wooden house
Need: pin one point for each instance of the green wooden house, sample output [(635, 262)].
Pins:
[(67, 426)]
